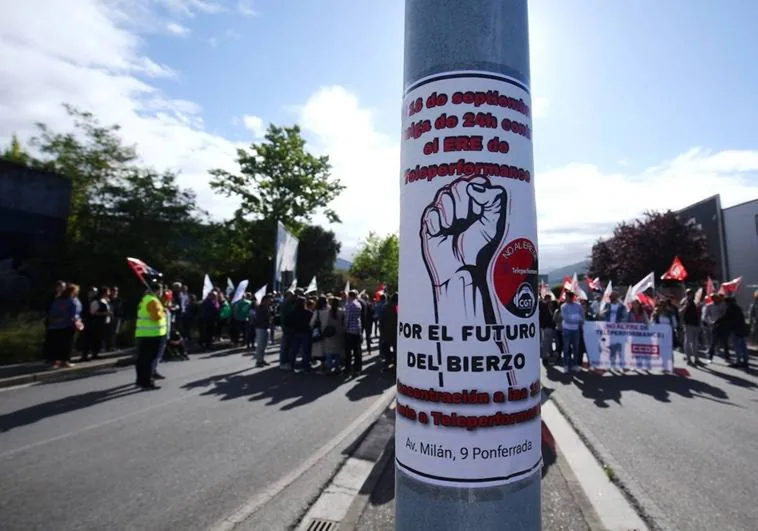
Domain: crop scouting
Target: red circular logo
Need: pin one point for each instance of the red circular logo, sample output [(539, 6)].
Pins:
[(515, 277)]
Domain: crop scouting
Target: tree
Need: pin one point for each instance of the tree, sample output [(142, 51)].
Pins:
[(377, 259), (118, 207), (16, 153), (650, 244), (602, 262), (317, 251), (279, 179)]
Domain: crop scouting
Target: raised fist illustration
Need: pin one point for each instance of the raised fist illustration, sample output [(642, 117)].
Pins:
[(460, 232)]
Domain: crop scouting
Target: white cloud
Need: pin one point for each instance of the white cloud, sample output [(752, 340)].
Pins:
[(540, 107), (91, 55), (578, 203), (213, 42), (189, 8), (366, 161), (82, 53), (245, 7), (255, 125), (177, 29), (230, 33)]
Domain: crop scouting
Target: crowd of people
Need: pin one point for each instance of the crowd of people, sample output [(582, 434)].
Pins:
[(317, 332), (699, 328)]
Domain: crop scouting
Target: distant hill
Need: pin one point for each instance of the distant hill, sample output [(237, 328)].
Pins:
[(342, 265), (556, 275)]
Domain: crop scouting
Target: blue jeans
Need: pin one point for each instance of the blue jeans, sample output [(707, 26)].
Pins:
[(571, 341), (161, 352), (301, 344), (261, 341), (740, 349)]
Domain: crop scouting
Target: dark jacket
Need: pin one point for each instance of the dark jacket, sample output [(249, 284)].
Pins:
[(388, 325), (262, 317), (301, 320), (546, 316), (734, 320)]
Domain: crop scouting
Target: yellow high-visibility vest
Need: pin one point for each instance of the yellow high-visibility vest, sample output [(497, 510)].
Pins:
[(146, 325)]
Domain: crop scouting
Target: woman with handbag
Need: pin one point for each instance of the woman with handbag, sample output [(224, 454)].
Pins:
[(319, 321), (334, 336)]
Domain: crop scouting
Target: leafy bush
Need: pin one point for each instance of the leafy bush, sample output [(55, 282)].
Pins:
[(21, 338)]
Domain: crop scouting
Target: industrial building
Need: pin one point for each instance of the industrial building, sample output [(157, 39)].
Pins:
[(732, 235)]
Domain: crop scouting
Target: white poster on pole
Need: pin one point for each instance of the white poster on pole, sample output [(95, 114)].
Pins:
[(286, 252), (468, 361), (629, 346)]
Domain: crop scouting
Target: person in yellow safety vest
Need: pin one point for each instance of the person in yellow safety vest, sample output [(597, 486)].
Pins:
[(149, 333)]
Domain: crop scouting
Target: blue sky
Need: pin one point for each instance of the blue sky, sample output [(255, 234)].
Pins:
[(643, 104)]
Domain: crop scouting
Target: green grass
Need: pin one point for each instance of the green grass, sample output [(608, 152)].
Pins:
[(21, 338)]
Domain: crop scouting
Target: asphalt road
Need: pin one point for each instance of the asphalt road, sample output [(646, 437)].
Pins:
[(95, 453), (689, 444)]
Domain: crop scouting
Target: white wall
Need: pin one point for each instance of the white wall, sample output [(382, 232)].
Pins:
[(741, 238)]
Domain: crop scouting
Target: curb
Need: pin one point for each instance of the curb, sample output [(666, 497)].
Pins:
[(356, 509), (649, 512), (125, 359), (65, 374)]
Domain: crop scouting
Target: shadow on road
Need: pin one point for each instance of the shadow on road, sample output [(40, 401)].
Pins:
[(731, 378), (292, 389), (32, 414), (609, 388)]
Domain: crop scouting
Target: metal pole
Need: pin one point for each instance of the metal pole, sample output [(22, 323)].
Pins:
[(468, 437)]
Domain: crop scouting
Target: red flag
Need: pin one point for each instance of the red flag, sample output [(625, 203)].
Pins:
[(379, 292), (676, 271), (646, 301), (567, 286), (594, 285), (141, 269), (731, 287), (709, 291)]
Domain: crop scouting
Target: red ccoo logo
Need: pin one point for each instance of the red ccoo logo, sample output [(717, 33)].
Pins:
[(642, 349)]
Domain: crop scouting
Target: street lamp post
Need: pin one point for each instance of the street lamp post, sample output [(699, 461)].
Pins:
[(468, 437)]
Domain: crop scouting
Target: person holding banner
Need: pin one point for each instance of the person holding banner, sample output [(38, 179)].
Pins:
[(573, 318), (615, 312), (637, 314)]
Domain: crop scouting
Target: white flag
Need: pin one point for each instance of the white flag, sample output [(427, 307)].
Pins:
[(628, 297), (606, 297), (207, 286), (261, 293), (293, 286), (699, 295), (240, 291), (347, 287), (229, 287), (641, 286), (577, 289), (312, 287)]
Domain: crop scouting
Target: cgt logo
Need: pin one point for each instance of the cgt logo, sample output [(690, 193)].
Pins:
[(645, 350), (525, 300)]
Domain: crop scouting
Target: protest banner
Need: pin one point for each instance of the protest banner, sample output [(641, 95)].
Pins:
[(625, 346)]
